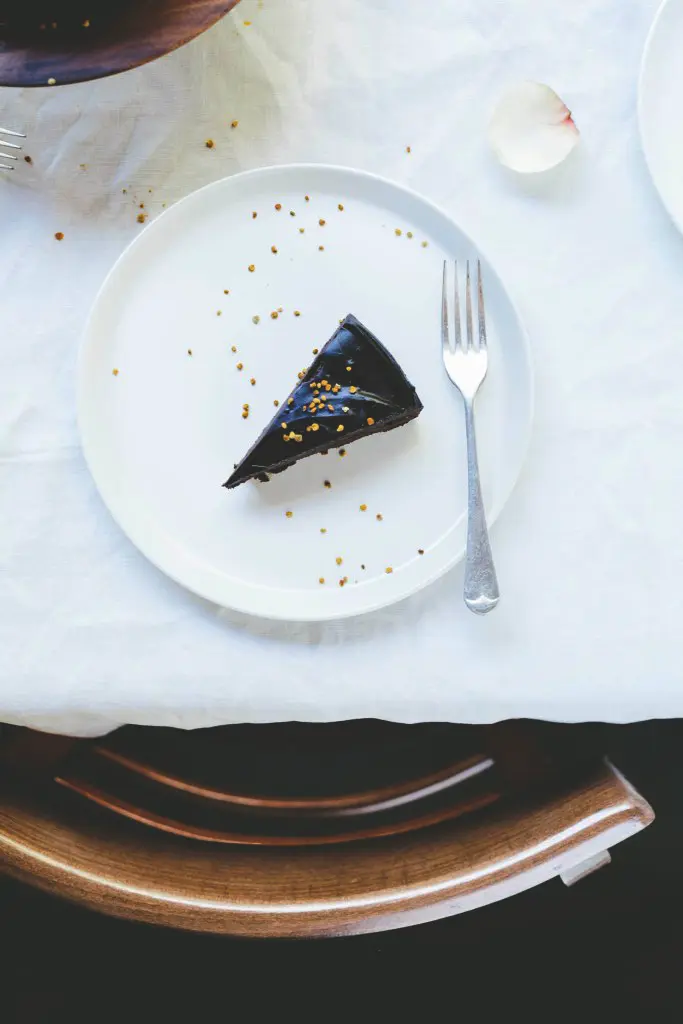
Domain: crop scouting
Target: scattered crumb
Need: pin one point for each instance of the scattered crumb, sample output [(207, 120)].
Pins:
[(226, 291), (323, 529), (252, 381), (289, 514), (189, 351), (274, 315), (142, 206), (424, 244), (256, 319), (339, 560), (363, 508), (379, 517), (219, 312), (321, 580), (409, 234), (340, 207), (388, 570), (278, 206), (321, 248), (115, 372), (420, 551), (297, 312), (240, 366), (362, 567), (279, 309), (251, 268), (342, 453), (315, 351), (276, 402), (397, 231), (408, 149), (233, 124), (292, 213), (273, 248), (141, 218), (342, 582), (327, 484), (301, 230), (254, 214), (209, 143), (322, 223), (29, 160), (247, 23), (59, 235)]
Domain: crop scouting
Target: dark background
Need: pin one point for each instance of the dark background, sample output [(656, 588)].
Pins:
[(609, 948)]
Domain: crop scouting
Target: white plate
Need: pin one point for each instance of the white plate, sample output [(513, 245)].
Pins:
[(163, 434), (660, 101)]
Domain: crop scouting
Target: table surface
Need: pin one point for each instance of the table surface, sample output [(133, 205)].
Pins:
[(588, 550)]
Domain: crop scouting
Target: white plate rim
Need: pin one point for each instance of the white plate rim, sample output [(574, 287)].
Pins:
[(145, 545), (641, 115)]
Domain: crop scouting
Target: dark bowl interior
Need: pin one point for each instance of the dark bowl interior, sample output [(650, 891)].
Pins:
[(62, 41)]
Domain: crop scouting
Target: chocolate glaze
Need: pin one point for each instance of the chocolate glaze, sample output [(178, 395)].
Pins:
[(382, 393)]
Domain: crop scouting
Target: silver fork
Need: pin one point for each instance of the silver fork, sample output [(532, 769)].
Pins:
[(466, 364), (8, 145)]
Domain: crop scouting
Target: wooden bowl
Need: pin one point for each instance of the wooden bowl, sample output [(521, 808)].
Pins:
[(62, 41)]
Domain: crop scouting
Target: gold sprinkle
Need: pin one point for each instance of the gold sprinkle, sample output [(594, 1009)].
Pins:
[(276, 402), (301, 230), (254, 214), (284, 426), (246, 405), (273, 248), (339, 560), (59, 235), (240, 366), (292, 213), (424, 244), (342, 453), (370, 422), (397, 231), (307, 198), (363, 508), (274, 315), (278, 206), (348, 369), (327, 484), (219, 312), (189, 351), (420, 551), (52, 81), (353, 390), (252, 381), (297, 312), (345, 408), (226, 291), (209, 143), (340, 207), (245, 414), (388, 570), (233, 124), (321, 580), (256, 319), (323, 529), (342, 582), (289, 514), (321, 222), (290, 401), (379, 517), (315, 351), (321, 248), (86, 23), (315, 426), (331, 408), (233, 348), (251, 268), (408, 150), (340, 428), (115, 372), (141, 218)]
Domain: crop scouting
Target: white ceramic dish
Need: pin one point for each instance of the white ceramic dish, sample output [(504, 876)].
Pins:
[(163, 434), (660, 100)]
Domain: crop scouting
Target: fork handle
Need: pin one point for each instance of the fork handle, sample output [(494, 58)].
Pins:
[(481, 585)]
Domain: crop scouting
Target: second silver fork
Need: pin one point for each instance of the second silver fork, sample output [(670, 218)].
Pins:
[(8, 145), (466, 360)]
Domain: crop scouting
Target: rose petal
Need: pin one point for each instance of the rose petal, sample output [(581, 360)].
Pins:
[(531, 129)]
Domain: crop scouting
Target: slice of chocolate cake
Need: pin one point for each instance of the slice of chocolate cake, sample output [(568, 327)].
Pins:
[(354, 388)]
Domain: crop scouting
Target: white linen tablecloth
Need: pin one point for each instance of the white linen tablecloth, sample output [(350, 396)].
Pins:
[(590, 548)]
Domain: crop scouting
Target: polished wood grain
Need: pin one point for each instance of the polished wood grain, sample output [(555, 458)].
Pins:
[(78, 40), (66, 844)]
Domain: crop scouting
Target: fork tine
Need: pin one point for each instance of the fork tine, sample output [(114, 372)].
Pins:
[(445, 334), (16, 135), (482, 310), (456, 307), (468, 310), (9, 145)]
